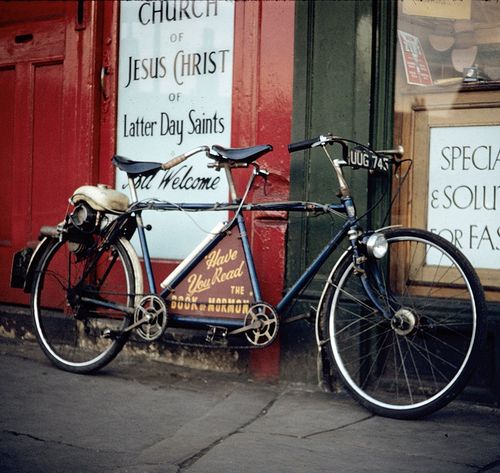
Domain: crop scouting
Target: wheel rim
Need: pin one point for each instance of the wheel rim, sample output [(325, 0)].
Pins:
[(70, 332), (406, 362)]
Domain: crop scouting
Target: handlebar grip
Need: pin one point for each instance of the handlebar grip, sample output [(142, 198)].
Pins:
[(396, 152), (175, 161), (300, 145)]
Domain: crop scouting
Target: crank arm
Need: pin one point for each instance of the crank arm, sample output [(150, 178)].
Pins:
[(258, 324), (247, 328), (108, 333), (136, 324)]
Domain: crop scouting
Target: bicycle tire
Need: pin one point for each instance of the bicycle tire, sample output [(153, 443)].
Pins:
[(420, 358), (70, 332)]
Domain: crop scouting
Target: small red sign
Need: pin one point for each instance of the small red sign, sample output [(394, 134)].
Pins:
[(416, 67)]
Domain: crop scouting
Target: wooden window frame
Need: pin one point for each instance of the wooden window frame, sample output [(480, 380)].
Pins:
[(416, 114)]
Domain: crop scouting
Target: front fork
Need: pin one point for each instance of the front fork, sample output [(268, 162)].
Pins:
[(370, 274)]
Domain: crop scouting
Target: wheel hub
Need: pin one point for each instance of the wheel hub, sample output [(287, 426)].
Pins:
[(404, 322)]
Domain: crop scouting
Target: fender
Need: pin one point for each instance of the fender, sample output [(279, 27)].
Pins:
[(136, 267), (46, 241), (329, 281), (33, 263)]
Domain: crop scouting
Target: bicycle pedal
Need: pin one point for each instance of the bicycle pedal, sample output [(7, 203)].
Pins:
[(307, 317), (216, 334), (110, 334)]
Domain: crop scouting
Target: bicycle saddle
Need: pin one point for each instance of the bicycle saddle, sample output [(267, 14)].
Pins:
[(240, 155), (136, 168)]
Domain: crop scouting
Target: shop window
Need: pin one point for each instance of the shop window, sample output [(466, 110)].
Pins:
[(447, 116), (449, 42)]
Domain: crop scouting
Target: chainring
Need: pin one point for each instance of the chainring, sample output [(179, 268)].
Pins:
[(265, 322), (151, 315)]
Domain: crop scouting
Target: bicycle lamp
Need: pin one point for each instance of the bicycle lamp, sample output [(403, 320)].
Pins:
[(84, 217), (376, 245)]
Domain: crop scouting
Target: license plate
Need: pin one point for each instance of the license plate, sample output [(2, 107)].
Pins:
[(360, 157)]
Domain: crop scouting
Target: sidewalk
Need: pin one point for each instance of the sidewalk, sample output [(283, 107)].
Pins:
[(143, 416)]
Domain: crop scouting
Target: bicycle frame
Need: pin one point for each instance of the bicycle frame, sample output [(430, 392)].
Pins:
[(346, 206), (181, 289)]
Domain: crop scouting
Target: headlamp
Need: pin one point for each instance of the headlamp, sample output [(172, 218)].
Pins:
[(84, 217), (376, 245)]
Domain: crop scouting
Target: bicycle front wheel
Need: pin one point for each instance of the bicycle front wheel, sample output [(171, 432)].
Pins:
[(75, 334), (415, 352)]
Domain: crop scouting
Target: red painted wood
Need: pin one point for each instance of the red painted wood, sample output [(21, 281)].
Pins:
[(7, 99), (262, 113), (49, 60), (19, 11), (108, 104), (66, 134)]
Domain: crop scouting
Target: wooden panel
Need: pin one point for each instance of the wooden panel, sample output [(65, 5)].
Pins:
[(51, 168), (440, 109), (262, 108), (25, 41), (332, 84), (7, 86), (27, 109), (15, 11), (47, 69)]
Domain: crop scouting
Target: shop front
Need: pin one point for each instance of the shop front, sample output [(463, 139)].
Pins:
[(83, 80), (447, 115), (424, 75)]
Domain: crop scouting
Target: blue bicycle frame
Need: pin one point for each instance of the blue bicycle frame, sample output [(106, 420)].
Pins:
[(346, 206)]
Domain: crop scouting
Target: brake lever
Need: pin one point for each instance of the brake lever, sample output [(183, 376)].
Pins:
[(263, 173)]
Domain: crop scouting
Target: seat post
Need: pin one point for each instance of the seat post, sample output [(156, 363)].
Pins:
[(229, 177), (133, 192)]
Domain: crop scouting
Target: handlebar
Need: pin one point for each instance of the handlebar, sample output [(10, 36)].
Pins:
[(323, 140), (182, 157), (305, 144)]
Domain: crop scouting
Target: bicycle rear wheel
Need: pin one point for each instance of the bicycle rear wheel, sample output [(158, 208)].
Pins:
[(419, 357), (70, 330)]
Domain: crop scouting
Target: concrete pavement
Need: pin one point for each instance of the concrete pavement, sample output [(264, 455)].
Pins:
[(142, 416)]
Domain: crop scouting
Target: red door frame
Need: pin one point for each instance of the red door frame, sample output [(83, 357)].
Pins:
[(261, 113)]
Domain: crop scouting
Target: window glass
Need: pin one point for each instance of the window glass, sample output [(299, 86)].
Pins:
[(447, 117), (444, 42)]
